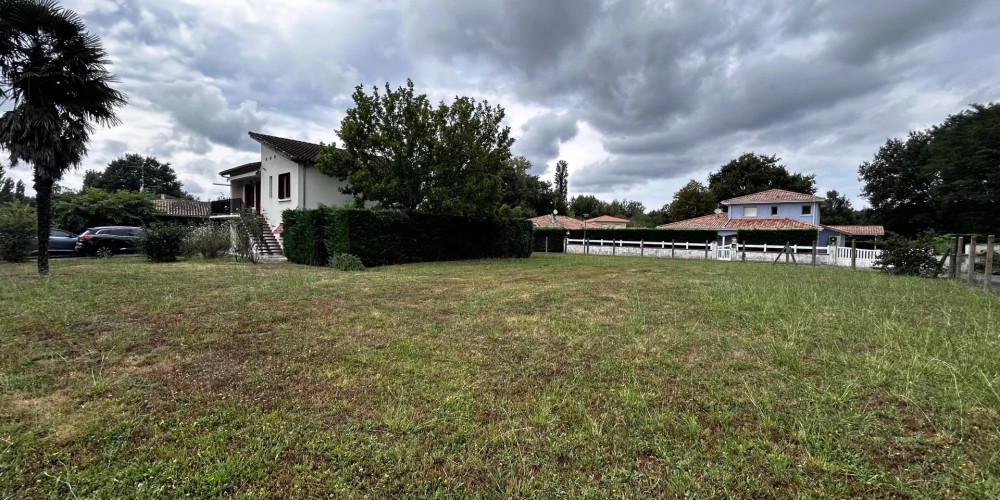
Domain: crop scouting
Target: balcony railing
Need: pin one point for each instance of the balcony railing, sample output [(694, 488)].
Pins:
[(230, 206)]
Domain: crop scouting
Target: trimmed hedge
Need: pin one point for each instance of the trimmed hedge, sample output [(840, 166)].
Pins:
[(678, 235), (777, 236), (556, 236), (385, 237)]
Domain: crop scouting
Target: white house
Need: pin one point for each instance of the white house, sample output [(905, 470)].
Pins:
[(284, 178)]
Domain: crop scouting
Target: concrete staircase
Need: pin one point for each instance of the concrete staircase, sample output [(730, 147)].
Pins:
[(267, 243)]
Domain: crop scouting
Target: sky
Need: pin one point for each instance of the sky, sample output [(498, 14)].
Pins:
[(637, 96)]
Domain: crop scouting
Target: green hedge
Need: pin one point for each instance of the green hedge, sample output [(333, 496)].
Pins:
[(384, 237), (777, 236), (556, 236)]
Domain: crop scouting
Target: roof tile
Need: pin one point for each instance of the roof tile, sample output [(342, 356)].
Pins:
[(772, 195), (560, 221), (290, 148), (859, 230)]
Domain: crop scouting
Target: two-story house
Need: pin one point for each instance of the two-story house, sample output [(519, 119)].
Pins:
[(774, 209)]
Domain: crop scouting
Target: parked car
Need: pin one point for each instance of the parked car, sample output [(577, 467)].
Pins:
[(107, 241), (60, 242)]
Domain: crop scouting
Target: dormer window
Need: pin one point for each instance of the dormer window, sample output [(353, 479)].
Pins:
[(749, 211), (807, 209)]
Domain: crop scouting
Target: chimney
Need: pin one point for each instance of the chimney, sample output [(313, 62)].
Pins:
[(553, 218)]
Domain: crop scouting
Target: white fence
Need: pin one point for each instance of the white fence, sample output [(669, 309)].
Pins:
[(831, 255)]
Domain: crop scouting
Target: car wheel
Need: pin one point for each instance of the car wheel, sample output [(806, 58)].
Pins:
[(103, 251)]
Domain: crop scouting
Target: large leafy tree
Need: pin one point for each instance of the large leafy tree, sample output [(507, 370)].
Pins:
[(965, 163), (524, 190), (898, 186), (692, 200), (134, 172), (589, 205), (402, 153), (93, 207), (752, 173), (837, 210), (54, 73), (11, 190)]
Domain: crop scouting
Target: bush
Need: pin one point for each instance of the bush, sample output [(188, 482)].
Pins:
[(17, 231), (346, 262), (209, 241), (385, 237), (556, 236), (94, 207), (161, 242), (909, 257)]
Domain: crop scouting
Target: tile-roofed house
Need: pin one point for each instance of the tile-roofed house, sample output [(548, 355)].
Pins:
[(170, 206), (607, 221), (774, 209), (285, 177), (553, 220), (773, 196)]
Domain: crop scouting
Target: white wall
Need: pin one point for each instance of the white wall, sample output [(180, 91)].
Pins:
[(273, 164), (320, 188)]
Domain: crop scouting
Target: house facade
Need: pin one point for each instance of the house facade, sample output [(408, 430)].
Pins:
[(285, 178), (775, 209)]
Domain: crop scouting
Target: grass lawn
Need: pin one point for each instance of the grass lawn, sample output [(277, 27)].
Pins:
[(553, 376)]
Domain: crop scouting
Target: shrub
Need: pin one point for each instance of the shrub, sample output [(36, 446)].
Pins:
[(909, 257), (384, 237), (94, 207), (556, 236), (246, 235), (691, 235), (346, 262), (17, 230), (162, 242), (209, 241)]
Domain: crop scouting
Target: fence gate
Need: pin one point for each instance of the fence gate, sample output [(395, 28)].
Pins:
[(723, 252)]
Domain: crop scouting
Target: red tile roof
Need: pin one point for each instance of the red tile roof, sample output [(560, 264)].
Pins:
[(560, 221), (859, 230), (289, 148), (177, 207), (722, 221), (772, 195), (714, 221), (780, 223), (607, 218)]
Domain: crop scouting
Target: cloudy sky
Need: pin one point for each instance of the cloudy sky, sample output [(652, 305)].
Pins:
[(638, 96)]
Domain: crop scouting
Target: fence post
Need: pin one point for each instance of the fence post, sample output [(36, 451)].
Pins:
[(854, 254), (765, 247), (988, 278), (971, 272), (612, 247), (960, 252), (953, 256), (642, 250), (565, 244), (546, 244), (744, 245), (814, 253), (673, 243), (788, 250)]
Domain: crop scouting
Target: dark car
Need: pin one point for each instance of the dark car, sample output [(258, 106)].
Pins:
[(60, 242), (107, 241)]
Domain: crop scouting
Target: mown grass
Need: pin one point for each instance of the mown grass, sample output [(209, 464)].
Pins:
[(549, 377)]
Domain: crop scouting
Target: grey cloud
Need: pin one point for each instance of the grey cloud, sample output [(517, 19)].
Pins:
[(542, 135), (202, 110)]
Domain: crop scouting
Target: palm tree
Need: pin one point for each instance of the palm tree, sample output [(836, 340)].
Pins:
[(53, 71)]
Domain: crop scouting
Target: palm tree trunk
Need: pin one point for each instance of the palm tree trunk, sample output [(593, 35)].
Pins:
[(43, 197)]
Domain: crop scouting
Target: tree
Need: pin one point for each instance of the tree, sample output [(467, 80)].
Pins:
[(561, 185), (54, 72), (898, 186), (12, 191), (965, 165), (134, 172), (692, 200), (625, 209), (402, 153), (752, 173), (93, 207), (17, 225), (585, 205), (837, 210), (525, 191)]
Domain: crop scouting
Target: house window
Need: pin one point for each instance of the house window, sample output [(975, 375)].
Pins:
[(749, 211), (807, 209), (270, 186), (284, 186), (774, 210)]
